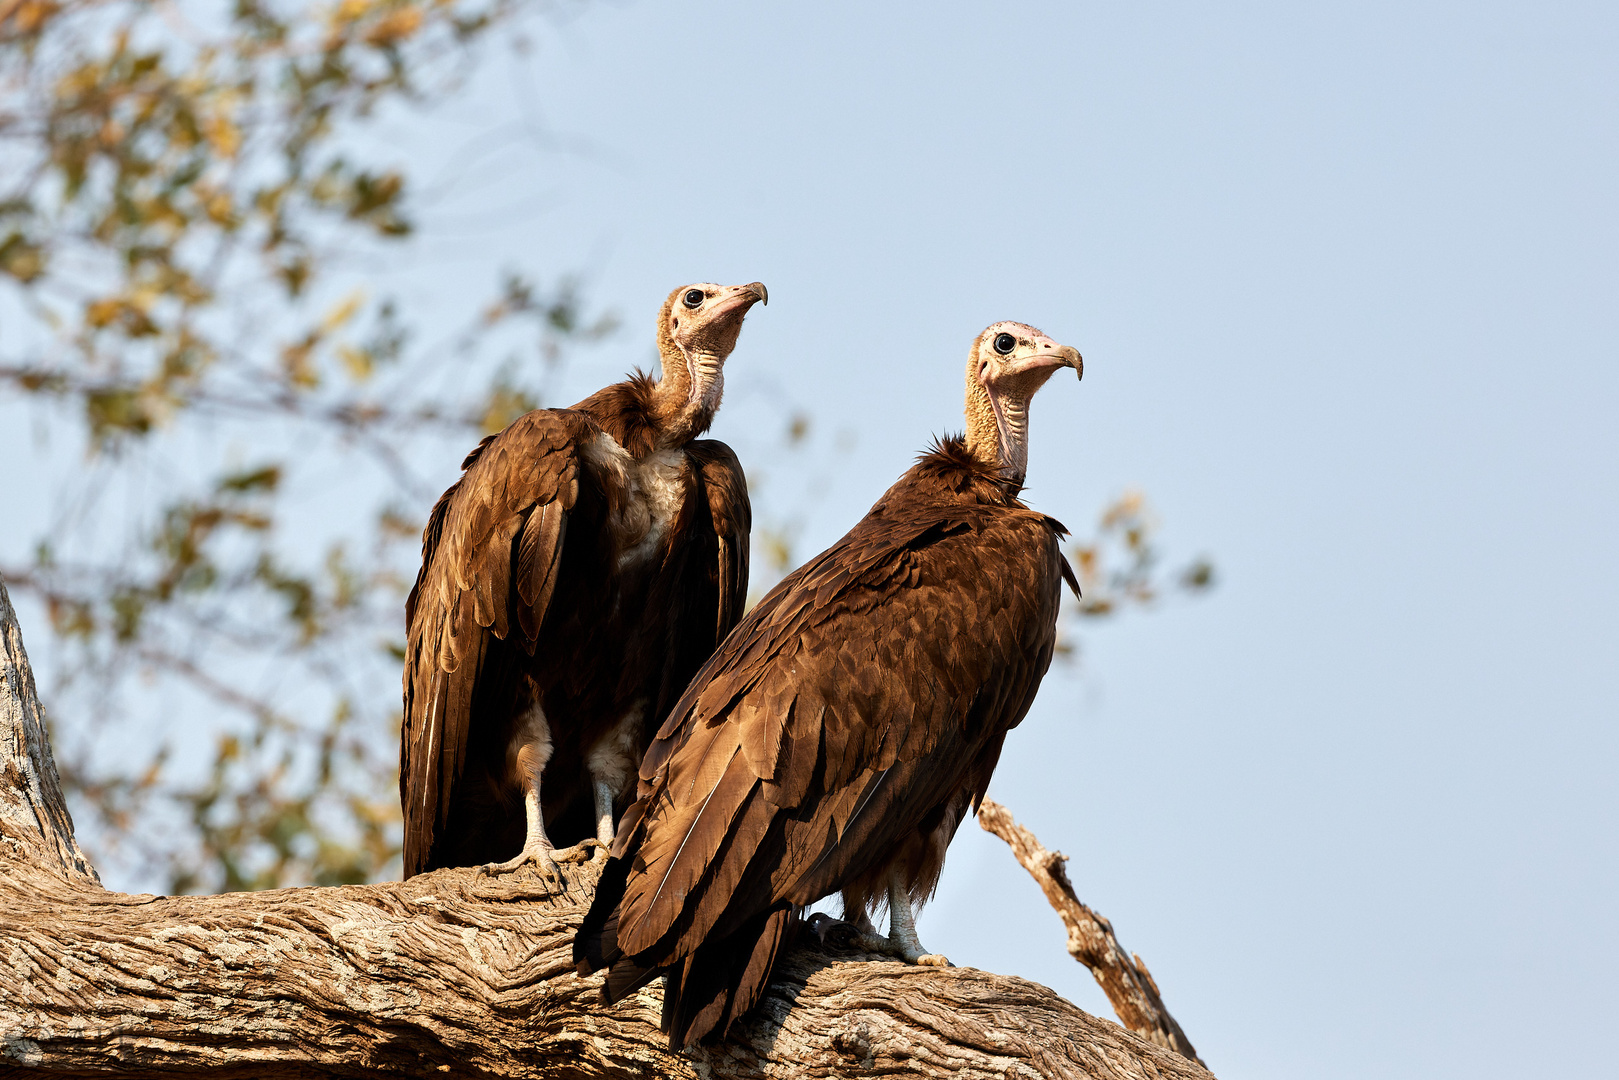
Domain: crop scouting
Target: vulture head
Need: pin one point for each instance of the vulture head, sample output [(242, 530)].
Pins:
[(697, 329), (1008, 363)]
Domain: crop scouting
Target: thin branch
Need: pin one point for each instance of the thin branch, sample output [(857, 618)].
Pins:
[(1125, 979)]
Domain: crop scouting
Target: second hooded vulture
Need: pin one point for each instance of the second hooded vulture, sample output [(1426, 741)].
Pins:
[(839, 735), (581, 570)]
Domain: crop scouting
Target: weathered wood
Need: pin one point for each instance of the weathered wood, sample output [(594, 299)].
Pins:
[(446, 974), (1125, 980), (35, 828)]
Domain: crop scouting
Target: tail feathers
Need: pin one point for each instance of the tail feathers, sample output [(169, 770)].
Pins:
[(625, 977), (595, 946), (778, 934), (706, 990), (724, 979), (671, 995)]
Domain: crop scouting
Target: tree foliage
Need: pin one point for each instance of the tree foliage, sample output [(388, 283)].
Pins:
[(187, 216), (191, 210)]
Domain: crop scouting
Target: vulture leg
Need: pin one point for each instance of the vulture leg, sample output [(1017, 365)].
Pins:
[(902, 925), (858, 933), (531, 751), (603, 842), (613, 763), (605, 828), (537, 847)]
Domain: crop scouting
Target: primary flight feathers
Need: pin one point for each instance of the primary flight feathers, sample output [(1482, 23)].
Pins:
[(842, 730)]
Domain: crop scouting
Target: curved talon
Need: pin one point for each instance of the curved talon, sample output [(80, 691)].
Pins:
[(840, 934), (541, 857), (577, 853)]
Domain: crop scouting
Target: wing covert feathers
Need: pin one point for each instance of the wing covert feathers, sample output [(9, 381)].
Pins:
[(865, 695)]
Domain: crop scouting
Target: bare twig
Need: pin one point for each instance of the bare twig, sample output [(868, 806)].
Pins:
[(1125, 979)]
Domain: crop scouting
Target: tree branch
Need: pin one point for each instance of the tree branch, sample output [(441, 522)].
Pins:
[(35, 828), (1126, 980), (447, 973)]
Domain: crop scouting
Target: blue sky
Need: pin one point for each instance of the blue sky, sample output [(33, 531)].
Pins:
[(1344, 277)]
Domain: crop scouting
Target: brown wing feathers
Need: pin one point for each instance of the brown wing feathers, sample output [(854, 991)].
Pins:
[(538, 557), (732, 519), (493, 544), (854, 703)]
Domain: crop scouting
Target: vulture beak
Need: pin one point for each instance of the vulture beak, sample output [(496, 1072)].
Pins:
[(1048, 358), (741, 298)]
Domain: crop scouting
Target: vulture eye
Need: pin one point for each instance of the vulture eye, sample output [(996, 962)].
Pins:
[(1005, 343), (693, 297)]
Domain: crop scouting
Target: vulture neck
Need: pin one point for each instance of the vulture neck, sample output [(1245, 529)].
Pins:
[(997, 430), (679, 413)]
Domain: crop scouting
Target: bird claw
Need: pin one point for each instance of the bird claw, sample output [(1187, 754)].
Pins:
[(914, 955), (543, 858), (840, 934), (578, 853)]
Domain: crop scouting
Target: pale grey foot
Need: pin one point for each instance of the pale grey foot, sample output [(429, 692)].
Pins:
[(537, 847), (579, 852), (860, 935), (902, 926), (539, 852), (606, 828)]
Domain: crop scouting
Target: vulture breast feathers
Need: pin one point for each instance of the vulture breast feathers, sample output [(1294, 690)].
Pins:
[(582, 569)]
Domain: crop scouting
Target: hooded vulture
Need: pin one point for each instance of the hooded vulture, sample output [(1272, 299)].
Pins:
[(573, 580), (837, 737)]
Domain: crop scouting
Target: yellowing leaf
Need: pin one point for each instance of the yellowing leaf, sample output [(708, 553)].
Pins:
[(223, 135), (359, 362), (297, 362), (20, 258), (29, 16), (343, 312), (395, 27)]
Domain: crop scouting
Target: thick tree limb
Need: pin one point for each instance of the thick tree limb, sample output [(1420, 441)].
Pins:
[(1125, 979), (447, 973)]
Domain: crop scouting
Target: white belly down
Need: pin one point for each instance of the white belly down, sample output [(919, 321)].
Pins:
[(652, 492)]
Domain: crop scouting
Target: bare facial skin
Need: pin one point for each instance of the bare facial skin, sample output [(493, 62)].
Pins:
[(1008, 363), (697, 330), (704, 322)]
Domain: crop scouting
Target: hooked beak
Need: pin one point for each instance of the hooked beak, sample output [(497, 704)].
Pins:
[(741, 298), (1049, 358)]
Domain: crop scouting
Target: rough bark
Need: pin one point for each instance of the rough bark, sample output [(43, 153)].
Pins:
[(35, 829), (1124, 978), (447, 973)]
